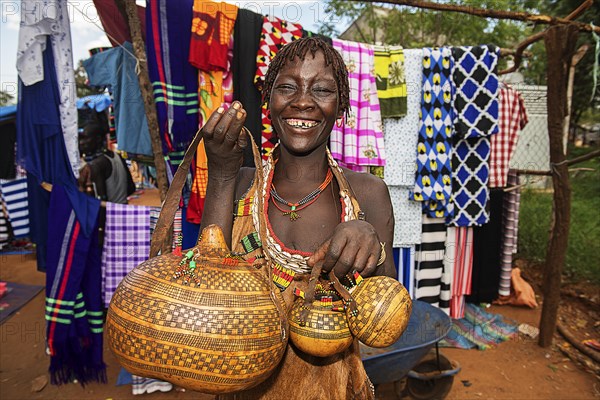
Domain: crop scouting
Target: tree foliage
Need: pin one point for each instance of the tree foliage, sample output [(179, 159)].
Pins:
[(6, 98), (81, 82), (414, 27)]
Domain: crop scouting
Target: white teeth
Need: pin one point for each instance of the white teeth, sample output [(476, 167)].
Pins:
[(301, 123)]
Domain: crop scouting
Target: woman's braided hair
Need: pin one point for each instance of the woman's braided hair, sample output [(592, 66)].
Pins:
[(299, 48)]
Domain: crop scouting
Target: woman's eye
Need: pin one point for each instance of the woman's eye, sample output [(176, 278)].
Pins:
[(286, 88), (320, 91)]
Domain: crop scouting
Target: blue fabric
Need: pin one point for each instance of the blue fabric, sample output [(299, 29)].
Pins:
[(190, 231), (175, 83), (7, 112), (116, 68), (97, 102), (41, 150), (433, 182), (74, 309), (476, 111)]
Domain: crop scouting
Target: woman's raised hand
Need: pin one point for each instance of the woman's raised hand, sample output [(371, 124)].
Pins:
[(225, 141), (354, 245)]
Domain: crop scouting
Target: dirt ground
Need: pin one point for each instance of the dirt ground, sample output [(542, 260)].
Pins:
[(518, 369)]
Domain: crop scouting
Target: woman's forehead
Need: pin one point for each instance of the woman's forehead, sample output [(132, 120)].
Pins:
[(316, 64)]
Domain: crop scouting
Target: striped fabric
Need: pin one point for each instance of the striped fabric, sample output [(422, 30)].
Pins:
[(459, 258), (510, 216), (126, 244), (429, 263), (359, 141), (74, 312), (3, 226), (174, 80), (404, 258), (14, 195)]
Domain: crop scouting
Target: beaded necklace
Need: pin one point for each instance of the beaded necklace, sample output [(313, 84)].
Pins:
[(304, 202)]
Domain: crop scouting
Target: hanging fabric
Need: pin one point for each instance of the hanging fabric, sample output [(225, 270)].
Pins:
[(246, 43), (401, 134), (359, 142), (116, 68), (49, 19), (126, 244), (512, 118), (476, 110), (391, 81), (404, 259), (429, 263), (114, 23), (433, 182), (487, 242), (510, 217), (74, 310), (274, 35), (212, 27), (41, 148), (407, 217), (174, 81), (14, 195), (459, 258)]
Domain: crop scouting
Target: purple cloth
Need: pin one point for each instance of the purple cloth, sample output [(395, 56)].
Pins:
[(126, 244)]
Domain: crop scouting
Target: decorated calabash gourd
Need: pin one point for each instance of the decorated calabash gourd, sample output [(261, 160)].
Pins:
[(318, 327), (203, 321), (383, 308)]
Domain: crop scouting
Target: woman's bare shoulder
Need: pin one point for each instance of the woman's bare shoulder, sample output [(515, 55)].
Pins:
[(367, 187)]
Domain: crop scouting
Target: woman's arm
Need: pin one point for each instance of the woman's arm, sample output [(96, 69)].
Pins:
[(356, 245), (224, 141)]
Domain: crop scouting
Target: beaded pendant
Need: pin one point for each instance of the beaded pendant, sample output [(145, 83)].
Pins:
[(187, 269)]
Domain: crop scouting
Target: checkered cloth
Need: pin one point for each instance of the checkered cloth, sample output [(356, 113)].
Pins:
[(359, 141), (126, 244), (512, 119)]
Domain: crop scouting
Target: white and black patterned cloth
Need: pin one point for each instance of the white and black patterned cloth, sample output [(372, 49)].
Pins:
[(430, 283), (400, 134), (476, 118)]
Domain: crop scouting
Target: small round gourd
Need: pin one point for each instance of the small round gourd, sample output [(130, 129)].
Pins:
[(325, 332), (213, 326), (384, 308)]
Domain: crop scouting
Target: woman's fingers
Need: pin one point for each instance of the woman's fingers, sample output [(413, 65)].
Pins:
[(213, 120), (233, 133), (223, 125)]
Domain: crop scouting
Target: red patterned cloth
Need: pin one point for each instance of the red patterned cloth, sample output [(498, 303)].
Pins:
[(512, 117), (212, 26), (275, 34)]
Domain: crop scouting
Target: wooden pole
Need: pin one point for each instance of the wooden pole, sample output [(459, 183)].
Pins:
[(560, 43), (146, 89), (498, 14)]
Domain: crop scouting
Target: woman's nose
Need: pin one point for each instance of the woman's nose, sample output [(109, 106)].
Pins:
[(303, 100)]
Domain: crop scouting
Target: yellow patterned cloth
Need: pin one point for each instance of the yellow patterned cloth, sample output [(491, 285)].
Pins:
[(391, 81)]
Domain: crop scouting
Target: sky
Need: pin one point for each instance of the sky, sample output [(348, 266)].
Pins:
[(86, 29)]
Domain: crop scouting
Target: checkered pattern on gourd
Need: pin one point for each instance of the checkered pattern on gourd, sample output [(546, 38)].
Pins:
[(222, 336), (384, 308)]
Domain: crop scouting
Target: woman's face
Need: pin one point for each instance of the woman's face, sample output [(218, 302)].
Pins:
[(304, 103)]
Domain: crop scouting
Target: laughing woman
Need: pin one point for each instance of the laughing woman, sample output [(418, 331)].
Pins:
[(313, 210)]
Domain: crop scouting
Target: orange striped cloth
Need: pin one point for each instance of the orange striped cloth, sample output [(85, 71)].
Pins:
[(212, 26)]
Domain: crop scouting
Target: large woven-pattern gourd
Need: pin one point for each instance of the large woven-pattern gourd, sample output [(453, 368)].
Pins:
[(325, 332), (384, 308), (222, 333)]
